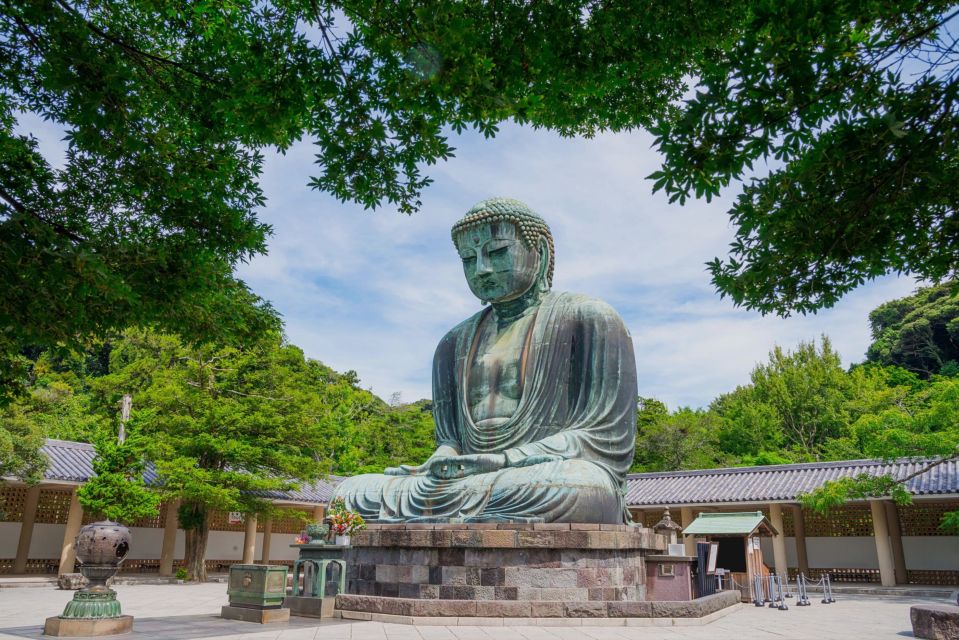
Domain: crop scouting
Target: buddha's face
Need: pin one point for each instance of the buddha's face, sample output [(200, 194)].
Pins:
[(497, 263)]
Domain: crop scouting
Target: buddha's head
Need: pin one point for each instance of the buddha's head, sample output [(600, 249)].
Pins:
[(506, 248)]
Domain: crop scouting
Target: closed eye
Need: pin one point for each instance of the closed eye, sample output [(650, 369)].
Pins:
[(498, 252)]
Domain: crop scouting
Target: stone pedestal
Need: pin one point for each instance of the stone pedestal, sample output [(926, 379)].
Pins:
[(502, 562), (310, 607), (87, 627), (262, 616)]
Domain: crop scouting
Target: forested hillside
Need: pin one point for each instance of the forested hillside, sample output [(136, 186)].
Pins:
[(802, 404), (175, 387)]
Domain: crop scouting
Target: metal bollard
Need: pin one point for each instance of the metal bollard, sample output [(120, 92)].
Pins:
[(803, 600), (829, 588), (757, 591), (784, 581)]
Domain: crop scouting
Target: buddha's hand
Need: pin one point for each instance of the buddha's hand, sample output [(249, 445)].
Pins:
[(448, 468), (444, 451), (407, 469), (541, 458)]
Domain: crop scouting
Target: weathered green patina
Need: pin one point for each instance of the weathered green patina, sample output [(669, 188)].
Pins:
[(534, 397)]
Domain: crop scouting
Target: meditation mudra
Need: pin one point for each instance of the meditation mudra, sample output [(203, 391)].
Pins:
[(534, 397)]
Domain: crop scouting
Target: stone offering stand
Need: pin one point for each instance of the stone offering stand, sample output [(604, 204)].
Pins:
[(417, 573)]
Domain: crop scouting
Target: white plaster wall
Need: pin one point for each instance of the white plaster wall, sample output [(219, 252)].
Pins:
[(922, 552), (828, 553), (147, 543), (279, 546), (225, 545), (931, 552), (47, 540), (9, 536)]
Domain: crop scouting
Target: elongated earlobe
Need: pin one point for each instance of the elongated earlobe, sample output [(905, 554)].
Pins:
[(542, 280)]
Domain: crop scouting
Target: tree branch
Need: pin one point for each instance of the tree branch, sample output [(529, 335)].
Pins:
[(22, 210)]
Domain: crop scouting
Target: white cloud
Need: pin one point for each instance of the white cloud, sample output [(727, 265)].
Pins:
[(376, 291)]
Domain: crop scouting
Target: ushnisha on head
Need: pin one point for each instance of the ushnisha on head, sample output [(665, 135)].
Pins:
[(506, 248)]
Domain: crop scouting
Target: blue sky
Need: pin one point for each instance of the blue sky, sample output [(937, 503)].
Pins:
[(375, 292)]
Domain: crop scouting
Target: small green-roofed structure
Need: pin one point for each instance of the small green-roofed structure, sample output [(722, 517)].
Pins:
[(749, 523)]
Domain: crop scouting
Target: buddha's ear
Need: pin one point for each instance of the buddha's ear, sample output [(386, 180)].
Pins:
[(542, 278)]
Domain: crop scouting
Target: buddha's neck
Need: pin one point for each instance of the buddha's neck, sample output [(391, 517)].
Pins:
[(509, 311)]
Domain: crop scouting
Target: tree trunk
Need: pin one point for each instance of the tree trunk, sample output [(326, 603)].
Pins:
[(196, 541)]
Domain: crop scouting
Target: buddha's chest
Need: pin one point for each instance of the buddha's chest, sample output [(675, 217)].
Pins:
[(495, 375)]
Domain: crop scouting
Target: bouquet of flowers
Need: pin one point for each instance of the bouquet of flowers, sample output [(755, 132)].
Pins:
[(343, 521), (302, 539)]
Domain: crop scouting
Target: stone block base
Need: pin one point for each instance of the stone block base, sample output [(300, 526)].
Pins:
[(261, 616), (72, 581), (87, 627), (349, 605), (935, 621), (310, 607), (502, 562)]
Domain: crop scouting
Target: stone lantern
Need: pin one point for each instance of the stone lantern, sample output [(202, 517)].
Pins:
[(94, 610), (667, 527)]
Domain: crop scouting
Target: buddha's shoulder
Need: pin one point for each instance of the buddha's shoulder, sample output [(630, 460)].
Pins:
[(582, 306), (464, 328)]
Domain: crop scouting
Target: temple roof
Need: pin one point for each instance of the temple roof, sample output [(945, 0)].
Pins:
[(72, 462), (781, 482)]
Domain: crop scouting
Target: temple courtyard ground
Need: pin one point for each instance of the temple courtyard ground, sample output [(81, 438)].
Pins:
[(190, 611)]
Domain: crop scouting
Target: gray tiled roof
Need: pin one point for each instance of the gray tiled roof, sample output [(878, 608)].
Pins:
[(778, 482), (73, 462)]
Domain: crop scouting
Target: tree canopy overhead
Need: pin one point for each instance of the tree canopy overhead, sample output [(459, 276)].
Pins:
[(853, 107), (167, 107)]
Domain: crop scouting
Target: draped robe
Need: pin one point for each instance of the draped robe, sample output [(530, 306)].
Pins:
[(578, 407)]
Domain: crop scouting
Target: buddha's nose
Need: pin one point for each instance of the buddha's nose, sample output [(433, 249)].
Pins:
[(482, 265)]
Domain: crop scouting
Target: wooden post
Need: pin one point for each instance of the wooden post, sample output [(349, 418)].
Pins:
[(26, 529), (779, 540), (895, 540), (68, 554), (249, 539), (887, 567), (267, 534), (170, 526), (319, 511), (687, 516), (799, 524)]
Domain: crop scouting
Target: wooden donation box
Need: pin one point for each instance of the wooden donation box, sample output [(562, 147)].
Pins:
[(257, 586)]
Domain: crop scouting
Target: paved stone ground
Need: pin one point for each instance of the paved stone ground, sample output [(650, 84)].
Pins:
[(178, 612)]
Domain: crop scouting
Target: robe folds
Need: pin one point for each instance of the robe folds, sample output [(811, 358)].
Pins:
[(577, 411)]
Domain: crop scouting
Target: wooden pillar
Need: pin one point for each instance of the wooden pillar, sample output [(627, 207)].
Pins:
[(68, 554), (779, 540), (895, 540), (319, 511), (267, 534), (249, 539), (26, 529), (170, 526), (880, 528), (799, 524), (687, 516)]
